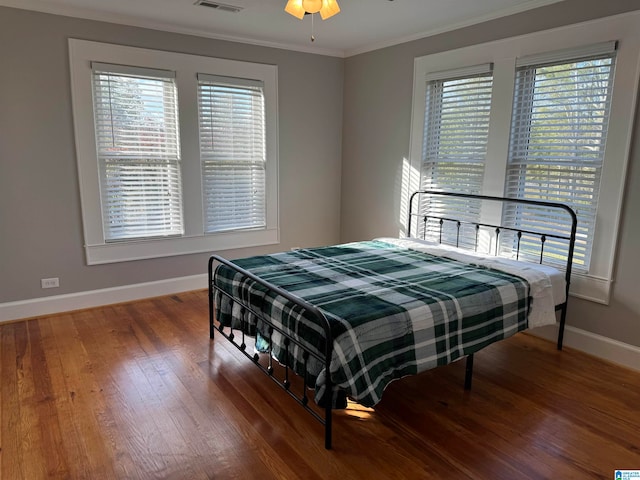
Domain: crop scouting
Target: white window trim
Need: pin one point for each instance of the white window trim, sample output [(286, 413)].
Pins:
[(596, 285), (194, 240)]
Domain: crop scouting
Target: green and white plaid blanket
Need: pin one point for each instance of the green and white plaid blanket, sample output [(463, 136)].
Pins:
[(393, 311)]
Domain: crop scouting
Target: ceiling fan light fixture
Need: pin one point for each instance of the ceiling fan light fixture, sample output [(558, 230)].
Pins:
[(312, 6), (329, 9), (294, 7), (298, 8)]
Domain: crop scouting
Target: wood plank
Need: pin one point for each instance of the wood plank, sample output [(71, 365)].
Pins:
[(138, 390), (29, 427), (44, 397), (10, 451), (92, 415), (82, 444)]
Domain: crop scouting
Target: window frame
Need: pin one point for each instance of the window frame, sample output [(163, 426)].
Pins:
[(186, 67), (504, 54)]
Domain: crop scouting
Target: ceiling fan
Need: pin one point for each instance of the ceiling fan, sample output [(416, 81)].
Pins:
[(326, 8), (300, 8)]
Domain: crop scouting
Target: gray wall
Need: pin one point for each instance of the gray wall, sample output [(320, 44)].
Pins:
[(377, 118), (40, 222)]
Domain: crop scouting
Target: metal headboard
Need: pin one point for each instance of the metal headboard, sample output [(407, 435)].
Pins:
[(499, 228)]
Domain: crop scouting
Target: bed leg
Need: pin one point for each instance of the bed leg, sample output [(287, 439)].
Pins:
[(210, 286), (563, 317), (211, 329), (468, 373), (327, 428)]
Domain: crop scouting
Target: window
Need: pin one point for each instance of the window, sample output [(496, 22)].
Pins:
[(176, 153), (456, 130), (559, 129), (232, 150), (558, 136), (138, 150)]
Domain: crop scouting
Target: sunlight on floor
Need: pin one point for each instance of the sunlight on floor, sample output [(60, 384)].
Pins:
[(356, 410)]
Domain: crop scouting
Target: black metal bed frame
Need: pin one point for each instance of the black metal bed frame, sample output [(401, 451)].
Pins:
[(315, 315)]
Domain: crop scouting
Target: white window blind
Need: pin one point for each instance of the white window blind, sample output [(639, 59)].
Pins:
[(456, 129), (136, 124), (558, 137), (232, 152)]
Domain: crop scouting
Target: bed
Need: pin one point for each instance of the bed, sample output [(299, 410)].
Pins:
[(349, 319)]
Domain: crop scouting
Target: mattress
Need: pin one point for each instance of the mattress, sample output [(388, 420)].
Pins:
[(548, 284)]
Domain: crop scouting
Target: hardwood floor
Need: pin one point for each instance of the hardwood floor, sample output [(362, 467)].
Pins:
[(138, 391)]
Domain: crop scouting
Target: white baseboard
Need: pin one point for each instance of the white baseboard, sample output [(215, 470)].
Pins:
[(95, 298), (594, 344)]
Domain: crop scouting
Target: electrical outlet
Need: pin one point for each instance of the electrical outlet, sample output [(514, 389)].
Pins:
[(50, 282)]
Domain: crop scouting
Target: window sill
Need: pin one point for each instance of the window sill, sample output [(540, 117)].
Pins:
[(591, 288), (168, 247)]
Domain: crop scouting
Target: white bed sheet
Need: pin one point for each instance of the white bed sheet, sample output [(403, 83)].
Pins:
[(548, 286)]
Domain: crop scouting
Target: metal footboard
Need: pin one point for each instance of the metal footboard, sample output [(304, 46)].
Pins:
[(313, 314)]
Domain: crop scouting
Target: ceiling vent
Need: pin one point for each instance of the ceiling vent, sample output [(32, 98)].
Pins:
[(223, 7)]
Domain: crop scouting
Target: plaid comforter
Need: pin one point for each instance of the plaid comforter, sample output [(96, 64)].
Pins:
[(393, 311)]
